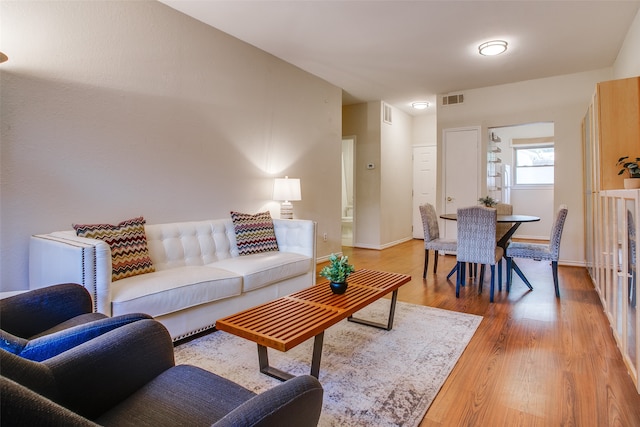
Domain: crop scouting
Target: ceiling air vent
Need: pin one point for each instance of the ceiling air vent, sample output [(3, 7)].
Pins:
[(453, 99)]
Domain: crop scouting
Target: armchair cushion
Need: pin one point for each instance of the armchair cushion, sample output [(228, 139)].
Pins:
[(186, 393)]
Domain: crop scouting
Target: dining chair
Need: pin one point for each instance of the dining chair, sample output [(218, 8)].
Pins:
[(477, 244), (540, 251), (503, 227), (432, 240)]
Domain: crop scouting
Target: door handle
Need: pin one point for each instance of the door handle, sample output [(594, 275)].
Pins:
[(449, 199)]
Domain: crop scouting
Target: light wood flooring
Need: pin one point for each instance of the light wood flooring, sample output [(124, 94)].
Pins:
[(534, 361)]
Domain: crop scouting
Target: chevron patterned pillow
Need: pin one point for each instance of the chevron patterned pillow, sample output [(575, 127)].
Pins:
[(128, 243), (254, 233)]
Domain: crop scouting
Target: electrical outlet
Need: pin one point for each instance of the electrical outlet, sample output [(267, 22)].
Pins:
[(325, 237)]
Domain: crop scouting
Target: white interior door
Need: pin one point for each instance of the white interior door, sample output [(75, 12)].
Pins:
[(424, 183), (461, 177)]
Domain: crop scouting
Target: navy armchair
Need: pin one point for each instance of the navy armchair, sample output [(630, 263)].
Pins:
[(128, 377), (44, 322)]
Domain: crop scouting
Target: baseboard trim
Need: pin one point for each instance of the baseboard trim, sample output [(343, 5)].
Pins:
[(383, 246)]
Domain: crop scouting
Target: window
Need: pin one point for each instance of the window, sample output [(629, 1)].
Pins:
[(533, 165)]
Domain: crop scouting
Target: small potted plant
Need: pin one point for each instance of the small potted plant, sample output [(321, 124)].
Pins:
[(337, 272), (633, 168), (488, 201)]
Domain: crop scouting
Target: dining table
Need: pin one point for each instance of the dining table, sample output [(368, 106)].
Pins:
[(516, 220)]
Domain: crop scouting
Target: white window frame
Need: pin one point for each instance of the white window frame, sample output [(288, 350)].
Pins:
[(517, 147)]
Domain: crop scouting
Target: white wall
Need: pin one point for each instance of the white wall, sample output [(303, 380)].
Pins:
[(628, 61), (396, 171), (116, 109), (425, 129)]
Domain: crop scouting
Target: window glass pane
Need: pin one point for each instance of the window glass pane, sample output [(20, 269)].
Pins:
[(540, 156), (534, 165), (537, 175)]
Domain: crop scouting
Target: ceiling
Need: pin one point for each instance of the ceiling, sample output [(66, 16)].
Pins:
[(405, 51)]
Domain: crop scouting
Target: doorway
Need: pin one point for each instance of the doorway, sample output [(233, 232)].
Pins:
[(424, 183), (348, 187), (524, 176)]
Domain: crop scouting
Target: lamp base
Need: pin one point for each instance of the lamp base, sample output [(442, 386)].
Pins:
[(286, 210)]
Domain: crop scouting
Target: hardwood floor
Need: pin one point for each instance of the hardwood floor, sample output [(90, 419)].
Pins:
[(534, 361)]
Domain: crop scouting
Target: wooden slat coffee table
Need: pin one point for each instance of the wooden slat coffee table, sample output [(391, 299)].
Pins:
[(288, 321)]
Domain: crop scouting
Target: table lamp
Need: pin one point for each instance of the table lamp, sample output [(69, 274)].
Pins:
[(286, 190)]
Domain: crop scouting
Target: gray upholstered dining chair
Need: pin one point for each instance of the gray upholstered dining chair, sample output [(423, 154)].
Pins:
[(539, 251), (477, 244), (432, 240), (503, 227)]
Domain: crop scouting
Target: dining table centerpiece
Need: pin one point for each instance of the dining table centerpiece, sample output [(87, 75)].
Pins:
[(488, 201), (337, 272)]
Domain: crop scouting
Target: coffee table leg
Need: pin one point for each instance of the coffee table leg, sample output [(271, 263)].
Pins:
[(392, 312), (263, 360), (317, 354)]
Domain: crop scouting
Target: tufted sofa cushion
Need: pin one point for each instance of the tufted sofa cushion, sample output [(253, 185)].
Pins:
[(174, 289), (265, 268), (190, 243)]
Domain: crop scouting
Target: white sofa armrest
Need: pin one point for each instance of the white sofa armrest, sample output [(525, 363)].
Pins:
[(63, 257), (297, 236)]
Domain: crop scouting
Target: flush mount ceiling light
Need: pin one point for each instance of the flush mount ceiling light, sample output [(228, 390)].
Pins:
[(492, 48), (420, 105)]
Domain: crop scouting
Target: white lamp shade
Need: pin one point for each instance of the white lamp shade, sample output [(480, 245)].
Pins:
[(287, 189)]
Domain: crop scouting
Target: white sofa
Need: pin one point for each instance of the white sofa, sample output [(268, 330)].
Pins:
[(199, 278)]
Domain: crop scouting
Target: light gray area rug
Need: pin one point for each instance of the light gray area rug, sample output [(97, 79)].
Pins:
[(371, 377)]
